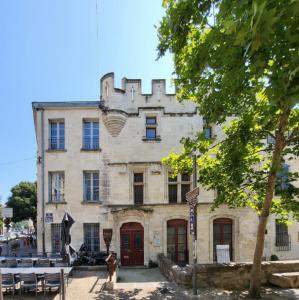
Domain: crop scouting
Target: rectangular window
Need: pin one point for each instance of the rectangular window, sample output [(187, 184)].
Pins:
[(282, 239), (91, 233), (138, 188), (56, 238), (56, 140), (90, 135), (56, 186), (185, 187), (207, 129), (91, 186), (172, 189), (178, 186), (270, 139), (151, 128), (282, 179)]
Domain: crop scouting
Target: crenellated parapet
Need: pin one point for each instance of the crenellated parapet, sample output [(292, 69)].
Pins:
[(130, 98)]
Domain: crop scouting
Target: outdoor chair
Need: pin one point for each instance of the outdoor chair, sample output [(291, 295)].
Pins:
[(8, 283), (62, 264), (45, 263), (52, 281), (11, 263), (3, 264), (25, 263), (28, 282)]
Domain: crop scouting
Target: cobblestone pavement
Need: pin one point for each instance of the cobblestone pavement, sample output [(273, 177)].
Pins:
[(149, 284)]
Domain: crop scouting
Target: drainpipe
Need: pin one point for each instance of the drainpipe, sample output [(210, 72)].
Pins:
[(43, 181)]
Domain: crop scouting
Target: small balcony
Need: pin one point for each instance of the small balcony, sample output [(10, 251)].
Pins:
[(91, 145), (56, 144), (56, 198)]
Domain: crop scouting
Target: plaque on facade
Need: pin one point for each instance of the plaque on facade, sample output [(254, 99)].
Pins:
[(49, 218)]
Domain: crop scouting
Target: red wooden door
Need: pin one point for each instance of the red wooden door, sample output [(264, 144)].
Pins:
[(222, 234), (132, 244)]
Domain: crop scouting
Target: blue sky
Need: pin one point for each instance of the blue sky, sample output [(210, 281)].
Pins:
[(50, 51)]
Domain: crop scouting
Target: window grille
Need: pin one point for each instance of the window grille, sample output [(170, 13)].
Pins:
[(56, 237)]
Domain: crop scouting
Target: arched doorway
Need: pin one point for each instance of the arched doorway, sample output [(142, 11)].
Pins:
[(177, 249), (223, 235), (132, 244)]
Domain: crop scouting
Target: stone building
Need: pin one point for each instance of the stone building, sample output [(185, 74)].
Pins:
[(100, 161)]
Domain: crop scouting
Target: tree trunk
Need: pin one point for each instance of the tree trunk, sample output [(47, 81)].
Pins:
[(255, 281)]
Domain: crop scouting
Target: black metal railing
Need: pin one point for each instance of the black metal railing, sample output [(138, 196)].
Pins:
[(56, 197), (56, 143), (283, 242), (91, 144)]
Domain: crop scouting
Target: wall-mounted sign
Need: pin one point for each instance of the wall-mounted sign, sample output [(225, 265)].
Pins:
[(157, 239), (107, 235), (49, 218), (7, 212)]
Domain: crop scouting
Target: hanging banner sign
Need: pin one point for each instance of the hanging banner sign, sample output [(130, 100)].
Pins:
[(191, 197), (192, 221)]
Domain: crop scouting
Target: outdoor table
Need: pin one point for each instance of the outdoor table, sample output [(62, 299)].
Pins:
[(3, 258), (36, 270)]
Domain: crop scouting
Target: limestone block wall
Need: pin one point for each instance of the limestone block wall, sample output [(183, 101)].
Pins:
[(73, 161), (228, 276)]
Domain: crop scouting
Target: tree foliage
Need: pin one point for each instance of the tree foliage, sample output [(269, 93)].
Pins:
[(239, 61), (23, 201)]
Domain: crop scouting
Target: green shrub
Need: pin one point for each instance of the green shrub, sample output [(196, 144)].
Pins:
[(274, 257)]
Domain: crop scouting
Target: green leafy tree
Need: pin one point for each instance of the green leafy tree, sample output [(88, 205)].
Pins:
[(23, 201), (239, 61)]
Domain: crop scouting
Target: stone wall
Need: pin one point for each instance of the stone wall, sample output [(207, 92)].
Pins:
[(229, 276)]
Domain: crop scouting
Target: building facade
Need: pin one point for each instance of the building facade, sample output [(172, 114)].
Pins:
[(100, 161)]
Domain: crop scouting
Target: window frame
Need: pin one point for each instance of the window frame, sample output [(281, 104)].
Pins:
[(282, 183), (55, 238), (282, 236), (60, 176), (179, 182), (92, 187), (92, 227), (151, 125), (57, 140), (91, 142), (137, 184)]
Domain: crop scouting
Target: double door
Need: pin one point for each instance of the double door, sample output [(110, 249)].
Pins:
[(132, 244)]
